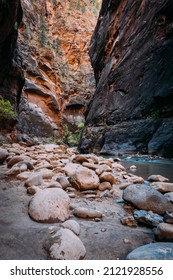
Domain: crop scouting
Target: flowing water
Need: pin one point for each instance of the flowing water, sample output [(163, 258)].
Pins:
[(147, 167)]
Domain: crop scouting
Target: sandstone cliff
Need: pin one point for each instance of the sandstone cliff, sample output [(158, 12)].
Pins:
[(54, 38), (52, 47), (131, 53)]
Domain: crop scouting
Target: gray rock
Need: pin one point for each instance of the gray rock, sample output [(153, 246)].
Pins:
[(50, 206), (157, 178), (153, 251), (34, 180), (146, 198), (164, 232), (67, 246), (169, 196), (72, 225), (3, 155), (82, 212), (147, 217), (168, 218)]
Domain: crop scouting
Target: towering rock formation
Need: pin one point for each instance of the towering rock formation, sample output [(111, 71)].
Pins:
[(54, 38), (11, 75), (47, 74), (132, 57)]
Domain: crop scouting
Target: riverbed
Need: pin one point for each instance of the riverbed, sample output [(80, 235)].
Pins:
[(148, 166)]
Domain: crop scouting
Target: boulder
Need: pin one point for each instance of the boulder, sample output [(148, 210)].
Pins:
[(80, 159), (50, 206), (147, 217), (168, 218), (157, 178), (105, 186), (169, 196), (153, 251), (3, 155), (162, 187), (35, 179), (145, 197), (164, 232), (72, 225), (67, 246), (84, 179), (63, 181), (108, 177), (70, 168)]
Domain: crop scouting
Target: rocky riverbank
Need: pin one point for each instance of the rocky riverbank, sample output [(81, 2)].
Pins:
[(59, 204)]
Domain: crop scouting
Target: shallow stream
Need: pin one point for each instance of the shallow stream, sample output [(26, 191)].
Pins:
[(147, 167)]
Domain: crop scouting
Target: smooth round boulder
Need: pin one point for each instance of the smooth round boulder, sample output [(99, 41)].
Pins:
[(67, 246), (153, 251), (145, 197), (50, 206), (84, 179), (164, 232)]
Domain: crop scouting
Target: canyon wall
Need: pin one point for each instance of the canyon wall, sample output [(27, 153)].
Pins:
[(131, 53), (11, 74), (52, 47), (54, 38)]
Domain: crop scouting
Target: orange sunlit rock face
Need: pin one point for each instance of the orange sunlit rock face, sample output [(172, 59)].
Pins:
[(54, 38)]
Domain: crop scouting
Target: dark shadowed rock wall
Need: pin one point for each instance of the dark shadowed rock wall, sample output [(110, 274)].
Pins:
[(11, 75), (132, 55)]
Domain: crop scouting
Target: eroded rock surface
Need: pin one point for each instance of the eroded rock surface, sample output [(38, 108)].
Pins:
[(131, 53)]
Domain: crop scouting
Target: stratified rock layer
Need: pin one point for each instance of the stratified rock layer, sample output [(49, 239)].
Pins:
[(131, 53)]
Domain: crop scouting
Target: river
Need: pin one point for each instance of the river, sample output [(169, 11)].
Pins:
[(147, 167)]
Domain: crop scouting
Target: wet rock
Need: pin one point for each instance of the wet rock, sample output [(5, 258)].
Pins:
[(67, 246), (85, 213), (164, 232), (105, 186), (3, 155), (146, 198), (133, 179), (133, 167), (72, 225), (147, 217), (153, 251), (34, 180), (168, 218), (84, 179), (157, 178), (50, 206), (118, 167), (129, 221), (162, 187)]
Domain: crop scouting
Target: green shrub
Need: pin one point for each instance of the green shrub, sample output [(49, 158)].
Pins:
[(7, 114), (72, 138), (6, 110)]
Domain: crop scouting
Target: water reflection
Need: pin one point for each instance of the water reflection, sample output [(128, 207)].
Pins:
[(145, 167)]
